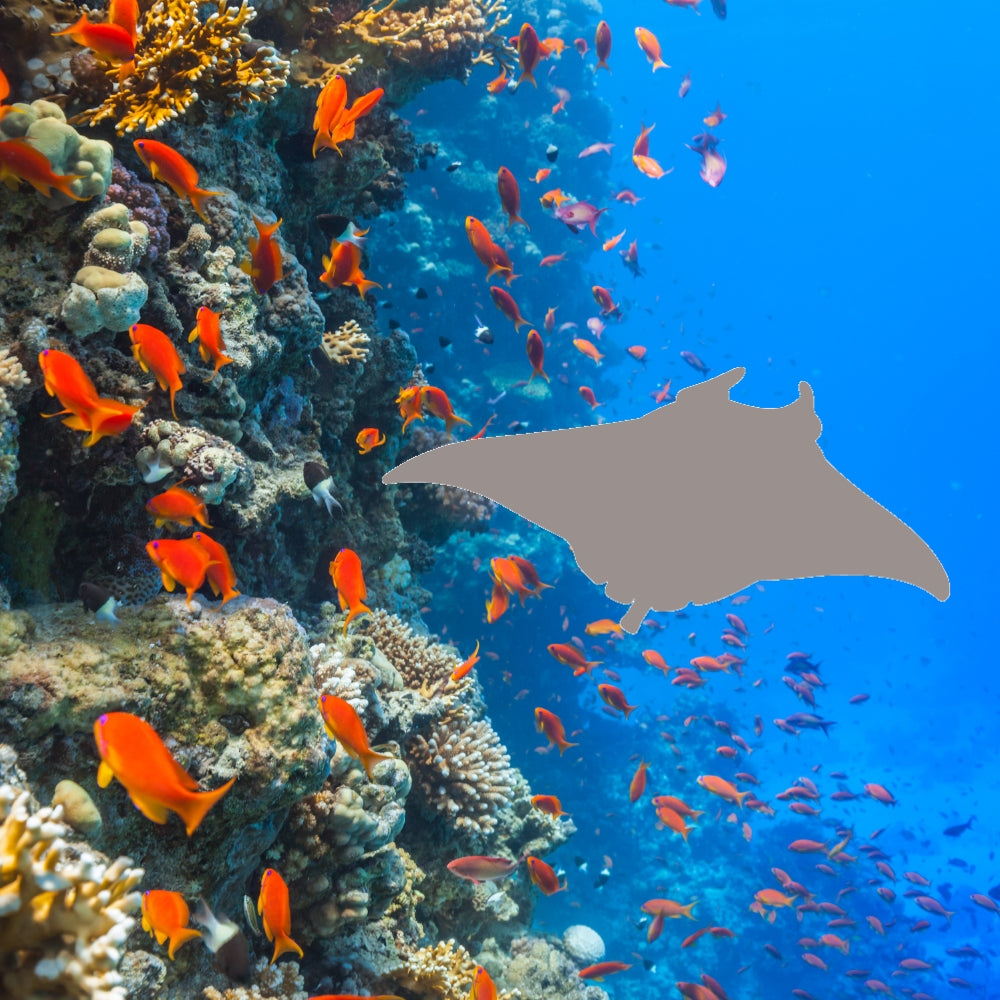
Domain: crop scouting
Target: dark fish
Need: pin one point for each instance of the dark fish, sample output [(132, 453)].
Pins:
[(552, 152), (958, 862), (453, 166), (444, 342), (580, 863), (719, 6), (332, 226), (995, 892), (806, 720), (428, 368), (100, 600), (957, 831), (394, 324), (320, 483), (648, 965), (421, 293)]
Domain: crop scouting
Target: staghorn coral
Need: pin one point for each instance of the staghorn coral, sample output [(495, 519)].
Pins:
[(463, 771), (271, 982), (64, 912), (442, 971), (182, 59), (347, 343)]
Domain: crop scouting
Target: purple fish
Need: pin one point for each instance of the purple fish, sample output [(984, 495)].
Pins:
[(483, 868), (695, 362), (579, 214), (806, 720)]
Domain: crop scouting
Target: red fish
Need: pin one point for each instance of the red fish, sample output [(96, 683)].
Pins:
[(132, 752), (168, 166), (368, 439), (498, 603), (588, 349), (528, 53), (156, 353), (544, 876), (552, 258), (505, 302), (550, 805), (568, 655), (510, 197), (334, 122), (536, 354), (549, 723), (615, 698), (499, 84), (343, 267), (209, 337), (178, 506), (602, 45), (483, 987), (602, 969), (276, 914), (409, 405), (221, 575), (264, 266), (717, 117), (436, 402), (637, 786), (603, 298), (21, 161), (111, 42), (483, 246), (587, 395), (530, 575), (344, 725), (483, 868), (345, 570)]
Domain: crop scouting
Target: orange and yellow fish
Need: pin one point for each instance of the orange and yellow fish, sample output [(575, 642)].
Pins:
[(550, 805), (21, 161), (168, 166), (344, 725), (156, 353), (650, 46), (165, 915), (178, 506), (544, 876), (510, 197), (345, 570), (483, 987), (209, 337), (132, 752), (368, 439), (220, 573), (409, 405), (276, 914), (180, 561), (110, 42)]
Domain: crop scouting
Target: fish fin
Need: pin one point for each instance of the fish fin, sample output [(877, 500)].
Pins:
[(194, 808), (370, 758), (150, 808), (168, 581), (282, 944), (104, 774), (198, 196), (181, 936)]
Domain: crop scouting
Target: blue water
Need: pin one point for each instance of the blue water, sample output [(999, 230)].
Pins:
[(851, 244)]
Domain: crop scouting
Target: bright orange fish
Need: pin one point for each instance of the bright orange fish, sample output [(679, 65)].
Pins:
[(567, 654), (510, 197), (111, 42), (156, 353), (668, 908), (541, 174), (276, 914), (350, 583), (343, 267), (344, 725), (536, 354), (166, 915), (530, 575), (107, 418), (599, 970), (409, 405), (637, 786), (549, 804), (132, 752), (553, 197), (724, 789), (125, 13), (650, 46), (549, 723), (436, 402), (209, 337), (264, 265), (180, 560), (498, 603), (588, 349), (368, 439), (613, 242), (178, 506), (717, 117), (507, 572), (21, 161), (543, 875), (168, 166), (466, 665), (483, 246), (650, 167), (334, 121), (65, 379), (499, 84), (483, 987), (506, 303), (604, 626), (221, 575)]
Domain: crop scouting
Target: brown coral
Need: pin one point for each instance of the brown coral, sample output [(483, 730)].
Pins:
[(463, 772)]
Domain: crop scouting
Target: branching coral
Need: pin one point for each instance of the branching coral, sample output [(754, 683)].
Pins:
[(181, 59), (347, 343), (443, 971), (274, 982), (12, 376), (64, 914), (463, 771)]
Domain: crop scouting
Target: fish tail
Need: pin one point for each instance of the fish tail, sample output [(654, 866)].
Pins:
[(282, 944), (198, 196), (565, 745), (358, 609), (364, 286), (517, 218), (195, 807), (452, 421), (602, 64), (369, 758), (181, 936)]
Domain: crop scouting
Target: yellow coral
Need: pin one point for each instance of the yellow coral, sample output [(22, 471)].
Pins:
[(181, 59), (347, 343)]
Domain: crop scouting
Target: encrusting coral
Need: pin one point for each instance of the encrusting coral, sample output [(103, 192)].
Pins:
[(182, 58), (64, 912)]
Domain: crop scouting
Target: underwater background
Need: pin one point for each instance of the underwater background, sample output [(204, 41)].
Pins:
[(850, 243)]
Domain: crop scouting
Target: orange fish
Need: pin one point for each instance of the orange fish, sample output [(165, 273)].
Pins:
[(107, 418), (717, 117), (220, 573), (125, 13), (588, 349), (510, 197), (679, 806), (343, 267), (530, 575), (604, 626), (180, 560), (344, 725), (65, 379), (156, 353), (276, 914), (567, 654), (507, 572), (549, 804), (499, 84), (543, 875), (551, 259), (628, 197), (349, 581), (602, 45), (655, 659), (638, 352), (541, 174), (209, 337), (668, 908), (168, 166), (615, 698), (528, 53), (331, 103), (637, 786), (131, 751), (613, 242), (650, 167), (536, 354), (436, 402), (466, 665), (21, 161), (483, 246), (166, 915), (368, 439), (641, 145), (673, 821), (553, 197), (549, 723), (483, 987), (110, 42), (178, 506), (409, 405), (500, 263), (724, 789), (264, 266), (498, 602), (650, 46)]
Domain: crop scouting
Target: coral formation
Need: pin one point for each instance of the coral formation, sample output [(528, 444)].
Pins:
[(464, 772), (442, 971), (183, 58), (12, 376), (64, 912), (347, 343), (583, 943), (44, 125), (271, 982)]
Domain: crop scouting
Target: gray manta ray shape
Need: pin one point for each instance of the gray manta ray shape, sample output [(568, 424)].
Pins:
[(692, 502)]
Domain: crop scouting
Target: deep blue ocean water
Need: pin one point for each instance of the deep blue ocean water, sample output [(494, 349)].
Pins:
[(851, 244)]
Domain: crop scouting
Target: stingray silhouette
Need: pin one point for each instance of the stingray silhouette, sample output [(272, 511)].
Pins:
[(692, 502)]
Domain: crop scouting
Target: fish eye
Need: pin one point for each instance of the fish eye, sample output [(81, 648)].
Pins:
[(103, 720)]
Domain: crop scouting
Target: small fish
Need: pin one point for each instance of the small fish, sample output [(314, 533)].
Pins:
[(552, 152), (168, 166), (528, 53), (483, 987), (276, 915), (453, 166), (650, 46), (165, 916), (957, 831), (156, 353), (264, 266), (510, 197), (436, 402), (180, 561), (101, 601), (467, 664), (578, 215), (345, 571), (717, 117), (551, 725), (596, 147), (695, 362), (343, 267), (368, 439), (544, 876), (209, 337), (178, 506), (221, 575), (319, 482), (344, 725), (506, 303), (598, 971), (111, 42), (483, 334), (588, 349), (549, 804), (536, 354), (226, 941), (685, 86), (483, 868), (602, 45)]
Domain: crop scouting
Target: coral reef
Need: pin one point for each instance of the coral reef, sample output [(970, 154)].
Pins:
[(347, 343), (183, 59), (64, 911), (272, 982), (537, 967)]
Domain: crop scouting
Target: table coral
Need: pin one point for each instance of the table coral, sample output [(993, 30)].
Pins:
[(181, 59), (64, 912)]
